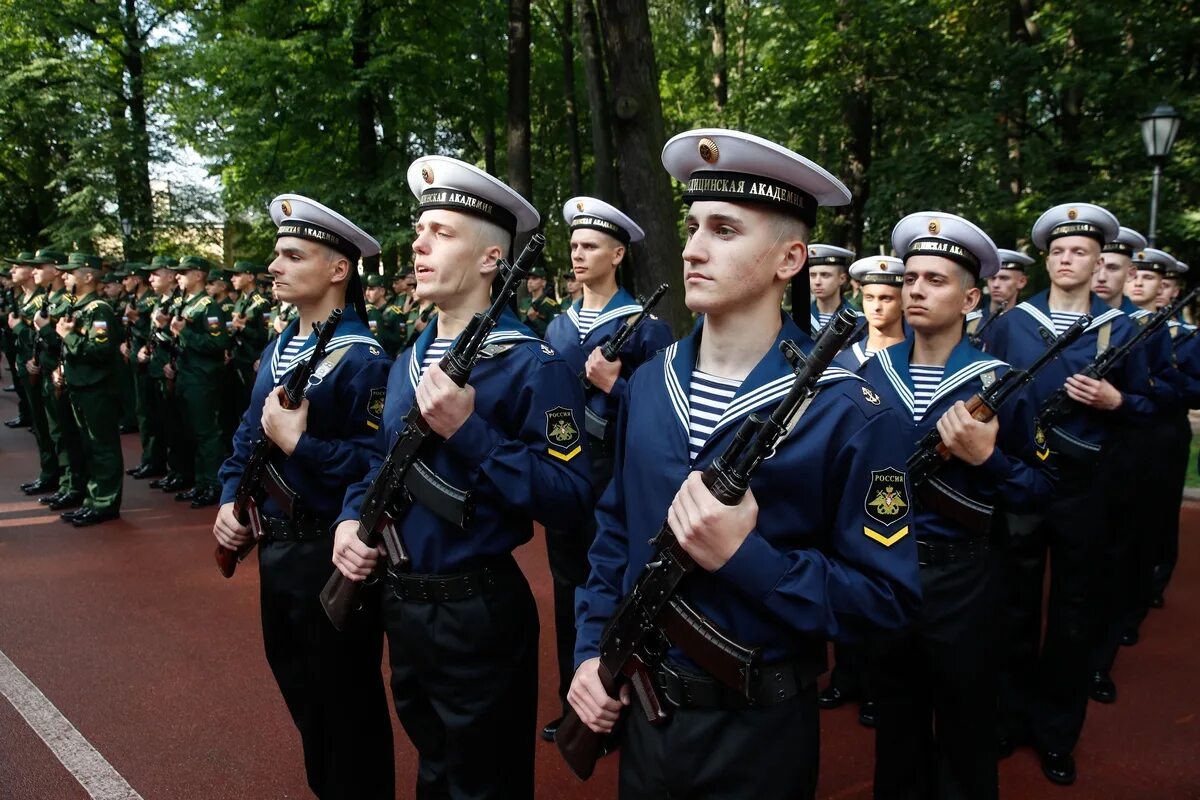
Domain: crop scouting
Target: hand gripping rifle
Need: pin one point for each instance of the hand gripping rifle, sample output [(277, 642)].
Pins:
[(1059, 405), (636, 638), (259, 477), (596, 425), (390, 494), (976, 338), (932, 453)]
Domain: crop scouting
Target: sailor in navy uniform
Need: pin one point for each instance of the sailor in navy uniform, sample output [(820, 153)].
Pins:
[(1004, 289), (330, 680), (821, 547), (936, 687), (1137, 461), (1044, 690), (462, 626), (600, 238), (827, 277)]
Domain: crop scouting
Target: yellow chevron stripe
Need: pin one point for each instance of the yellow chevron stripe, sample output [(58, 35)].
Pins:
[(565, 456), (886, 541)]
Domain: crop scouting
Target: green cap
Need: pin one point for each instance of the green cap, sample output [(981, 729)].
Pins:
[(374, 281), (248, 267), (537, 272), (195, 262), (218, 275), (136, 268), (158, 262), (23, 259), (111, 277), (81, 261), (48, 256)]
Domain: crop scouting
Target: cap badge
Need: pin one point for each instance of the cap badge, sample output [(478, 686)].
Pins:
[(286, 205), (935, 227), (1141, 256), (1072, 214), (579, 206), (883, 265), (709, 150), (427, 174)]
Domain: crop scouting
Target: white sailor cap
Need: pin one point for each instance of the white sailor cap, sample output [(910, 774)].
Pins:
[(1075, 219), (1014, 259), (443, 182), (886, 270), (594, 214), (1154, 260), (1179, 269), (934, 233), (1127, 242), (719, 164), (305, 218), (820, 254)]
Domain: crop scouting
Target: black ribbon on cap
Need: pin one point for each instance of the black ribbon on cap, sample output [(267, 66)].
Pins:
[(459, 200), (592, 222), (1077, 228), (1118, 247), (742, 187), (302, 229), (930, 246)]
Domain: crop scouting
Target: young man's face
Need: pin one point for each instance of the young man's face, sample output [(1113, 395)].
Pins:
[(825, 282), (242, 281), (535, 285), (162, 281), (71, 281), (732, 256), (881, 305), (21, 274), (934, 294), (1006, 286), (44, 275), (215, 288), (112, 290), (594, 256), (1113, 272), (1144, 288), (1072, 260), (1168, 292), (302, 269), (375, 295), (446, 254)]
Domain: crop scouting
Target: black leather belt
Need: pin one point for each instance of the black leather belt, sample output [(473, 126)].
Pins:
[(446, 588), (771, 684), (303, 528), (936, 552)]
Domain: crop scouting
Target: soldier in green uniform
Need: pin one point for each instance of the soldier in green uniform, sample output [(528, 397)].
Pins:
[(137, 311), (536, 308), (386, 320), (218, 288), (203, 340), (573, 293), (112, 288), (29, 299), (249, 320), (89, 373), (160, 353), (56, 402), (11, 307)]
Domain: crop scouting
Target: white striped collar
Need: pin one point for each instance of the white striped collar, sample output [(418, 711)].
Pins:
[(974, 315), (1141, 312), (1046, 322), (414, 360), (336, 343), (897, 374)]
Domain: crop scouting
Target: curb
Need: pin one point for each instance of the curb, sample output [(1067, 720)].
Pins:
[(1191, 495)]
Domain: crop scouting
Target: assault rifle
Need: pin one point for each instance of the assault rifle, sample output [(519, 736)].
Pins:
[(260, 477), (593, 423), (977, 337), (931, 453), (1059, 406), (392, 490), (637, 637)]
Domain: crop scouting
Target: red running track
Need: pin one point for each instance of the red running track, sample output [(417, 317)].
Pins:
[(129, 630)]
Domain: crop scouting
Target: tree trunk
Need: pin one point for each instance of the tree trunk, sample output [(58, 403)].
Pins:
[(639, 137), (720, 71), (604, 177), (520, 174), (139, 210), (566, 32), (858, 117), (364, 103)]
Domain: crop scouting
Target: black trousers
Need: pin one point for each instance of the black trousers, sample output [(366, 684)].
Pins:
[(1044, 684), (567, 552), (935, 692), (464, 683), (769, 753), (332, 682), (1177, 440), (852, 673)]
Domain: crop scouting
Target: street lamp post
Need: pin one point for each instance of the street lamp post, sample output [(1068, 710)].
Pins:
[(1159, 128), (126, 228)]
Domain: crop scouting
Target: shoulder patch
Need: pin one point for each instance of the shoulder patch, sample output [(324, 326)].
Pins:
[(886, 503), (869, 395), (547, 349), (562, 433), (375, 403)]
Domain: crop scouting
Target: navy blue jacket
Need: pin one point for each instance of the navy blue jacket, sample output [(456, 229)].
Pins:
[(1015, 338), (822, 562), (1014, 477), (651, 336), (343, 418), (521, 452)]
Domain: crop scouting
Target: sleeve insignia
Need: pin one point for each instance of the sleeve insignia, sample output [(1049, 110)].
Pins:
[(375, 403), (547, 350), (1042, 450), (870, 396), (214, 325), (562, 433), (886, 503)]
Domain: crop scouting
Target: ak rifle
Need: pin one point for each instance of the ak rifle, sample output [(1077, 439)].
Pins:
[(652, 615), (260, 477), (976, 338), (390, 494), (612, 347), (1059, 406)]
